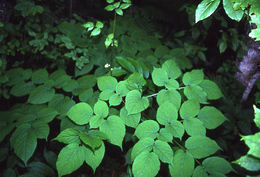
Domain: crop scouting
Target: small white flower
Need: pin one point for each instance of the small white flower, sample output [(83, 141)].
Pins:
[(107, 65)]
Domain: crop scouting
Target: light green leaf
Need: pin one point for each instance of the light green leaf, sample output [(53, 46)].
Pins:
[(253, 142), (257, 116), (92, 141), (148, 128), (106, 94), (182, 164), (217, 165), (99, 24), (135, 103), (194, 127), (200, 172), (195, 92), (40, 76), (106, 83), (110, 8), (248, 162), (233, 14), (135, 81), (145, 144), (171, 96), (114, 128), (121, 88), (164, 135), (189, 109), (201, 146), (172, 84), (163, 151), (24, 142), (41, 129), (116, 4), (211, 117), (131, 120), (115, 100), (70, 158), (68, 136), (166, 113), (110, 1), (95, 32), (159, 77), (172, 69), (212, 90), (109, 40), (205, 9), (89, 25), (193, 77), (96, 121), (151, 167), (101, 109), (80, 113), (176, 129), (125, 5), (94, 158), (41, 94), (119, 11)]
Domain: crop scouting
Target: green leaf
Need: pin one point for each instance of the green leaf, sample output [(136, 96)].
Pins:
[(68, 136), (172, 69), (110, 1), (125, 5), (59, 77), (22, 88), (106, 94), (164, 135), (95, 32), (195, 92), (176, 129), (233, 14), (166, 113), (40, 76), (212, 90), (145, 144), (130, 120), (134, 103), (205, 9), (151, 167), (106, 83), (257, 116), (41, 129), (119, 11), (201, 146), (40, 169), (125, 63), (115, 100), (99, 24), (70, 158), (94, 158), (159, 77), (116, 4), (200, 172), (163, 151), (101, 109), (248, 162), (41, 94), (193, 77), (217, 165), (189, 109), (80, 113), (171, 96), (172, 84), (24, 142), (96, 121), (135, 81), (70, 85), (211, 117), (114, 128), (148, 128), (182, 164), (89, 25), (109, 40), (92, 141), (253, 142), (87, 81), (194, 127)]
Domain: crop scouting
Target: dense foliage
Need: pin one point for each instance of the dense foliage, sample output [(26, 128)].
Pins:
[(116, 88)]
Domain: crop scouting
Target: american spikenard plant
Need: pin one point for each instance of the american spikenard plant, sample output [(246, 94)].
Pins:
[(176, 135)]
